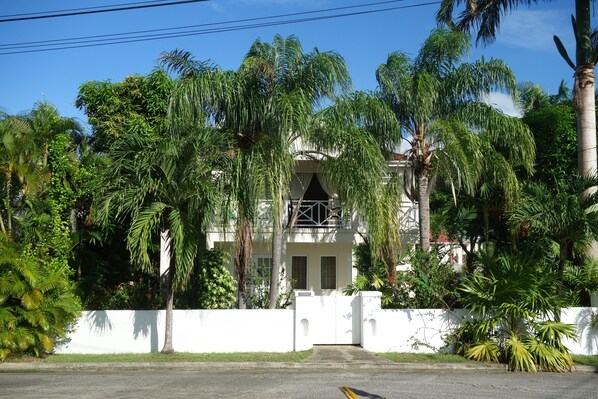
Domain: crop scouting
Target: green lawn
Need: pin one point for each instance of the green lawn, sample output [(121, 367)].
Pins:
[(424, 358), (587, 360), (175, 357)]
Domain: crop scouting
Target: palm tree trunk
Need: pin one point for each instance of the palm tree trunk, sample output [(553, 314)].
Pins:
[(243, 258), (584, 101), (169, 297), (8, 207), (277, 234), (424, 210)]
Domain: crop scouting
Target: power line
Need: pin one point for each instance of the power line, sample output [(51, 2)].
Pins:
[(97, 10), (78, 9), (40, 43), (64, 44)]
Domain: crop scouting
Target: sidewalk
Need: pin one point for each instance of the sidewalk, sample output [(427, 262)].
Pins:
[(324, 357)]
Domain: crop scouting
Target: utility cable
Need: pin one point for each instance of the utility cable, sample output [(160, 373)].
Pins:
[(143, 38), (97, 11), (41, 43)]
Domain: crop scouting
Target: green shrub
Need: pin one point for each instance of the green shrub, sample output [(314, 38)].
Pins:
[(37, 303), (512, 301), (137, 294), (210, 285), (428, 284)]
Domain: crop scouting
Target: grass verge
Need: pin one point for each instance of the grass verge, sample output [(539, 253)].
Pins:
[(424, 357), (586, 360), (174, 357)]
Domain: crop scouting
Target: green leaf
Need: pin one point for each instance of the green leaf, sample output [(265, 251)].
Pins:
[(563, 52)]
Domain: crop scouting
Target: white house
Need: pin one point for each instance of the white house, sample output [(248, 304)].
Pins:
[(317, 250)]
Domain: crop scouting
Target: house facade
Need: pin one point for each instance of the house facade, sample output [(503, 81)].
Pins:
[(319, 234)]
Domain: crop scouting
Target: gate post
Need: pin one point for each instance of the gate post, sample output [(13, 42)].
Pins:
[(303, 320), (371, 303)]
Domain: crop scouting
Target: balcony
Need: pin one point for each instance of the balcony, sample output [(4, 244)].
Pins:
[(317, 214)]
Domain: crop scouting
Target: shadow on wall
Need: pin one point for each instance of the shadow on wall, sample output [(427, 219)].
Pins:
[(99, 321), (145, 323), (587, 330)]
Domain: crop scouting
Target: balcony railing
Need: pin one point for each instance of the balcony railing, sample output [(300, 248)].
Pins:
[(310, 213)]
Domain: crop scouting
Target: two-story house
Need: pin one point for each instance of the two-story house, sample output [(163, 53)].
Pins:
[(317, 250)]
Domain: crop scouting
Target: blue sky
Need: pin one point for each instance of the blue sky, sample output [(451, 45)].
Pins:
[(524, 42)]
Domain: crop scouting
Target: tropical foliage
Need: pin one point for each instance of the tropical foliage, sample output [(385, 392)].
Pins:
[(428, 280), (164, 183), (512, 303), (439, 101), (37, 302), (211, 285)]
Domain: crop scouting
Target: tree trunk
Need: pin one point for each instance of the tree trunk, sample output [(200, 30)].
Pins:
[(169, 299), (243, 259), (277, 234), (584, 101), (424, 210)]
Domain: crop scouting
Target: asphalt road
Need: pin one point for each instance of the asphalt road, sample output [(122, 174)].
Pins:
[(295, 383)]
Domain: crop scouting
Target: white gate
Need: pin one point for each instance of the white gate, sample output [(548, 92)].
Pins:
[(337, 321)]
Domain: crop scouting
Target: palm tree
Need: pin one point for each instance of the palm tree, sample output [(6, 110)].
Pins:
[(484, 21), (438, 100), (24, 155), (288, 85), (226, 99), (508, 299), (165, 183), (355, 138), (561, 214), (267, 105)]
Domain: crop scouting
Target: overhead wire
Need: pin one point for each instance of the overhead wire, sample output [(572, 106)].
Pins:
[(96, 10), (79, 9), (140, 36), (38, 43)]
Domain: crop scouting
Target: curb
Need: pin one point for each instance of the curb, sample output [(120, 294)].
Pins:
[(191, 366)]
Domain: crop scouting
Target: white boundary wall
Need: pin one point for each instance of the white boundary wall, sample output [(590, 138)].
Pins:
[(198, 331), (359, 320)]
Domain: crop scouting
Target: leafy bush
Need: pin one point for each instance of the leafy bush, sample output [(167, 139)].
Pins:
[(429, 283), (37, 303), (512, 300), (258, 292), (138, 294), (210, 285)]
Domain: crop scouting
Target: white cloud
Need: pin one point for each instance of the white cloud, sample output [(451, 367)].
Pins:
[(503, 102), (534, 29)]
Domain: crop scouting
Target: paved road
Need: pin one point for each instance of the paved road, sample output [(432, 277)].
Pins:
[(259, 382)]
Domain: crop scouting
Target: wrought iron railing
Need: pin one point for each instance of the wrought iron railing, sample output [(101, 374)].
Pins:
[(310, 213)]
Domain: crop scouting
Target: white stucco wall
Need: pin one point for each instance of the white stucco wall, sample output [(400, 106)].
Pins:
[(315, 320), (199, 331), (425, 330)]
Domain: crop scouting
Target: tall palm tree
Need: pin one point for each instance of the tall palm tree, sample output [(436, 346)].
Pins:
[(484, 19), (356, 138), (438, 100), (231, 102), (165, 183), (288, 85)]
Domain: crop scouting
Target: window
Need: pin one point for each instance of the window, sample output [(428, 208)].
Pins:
[(299, 271), (263, 266), (328, 272)]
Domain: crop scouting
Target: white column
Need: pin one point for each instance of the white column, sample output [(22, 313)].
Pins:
[(371, 303), (305, 310)]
